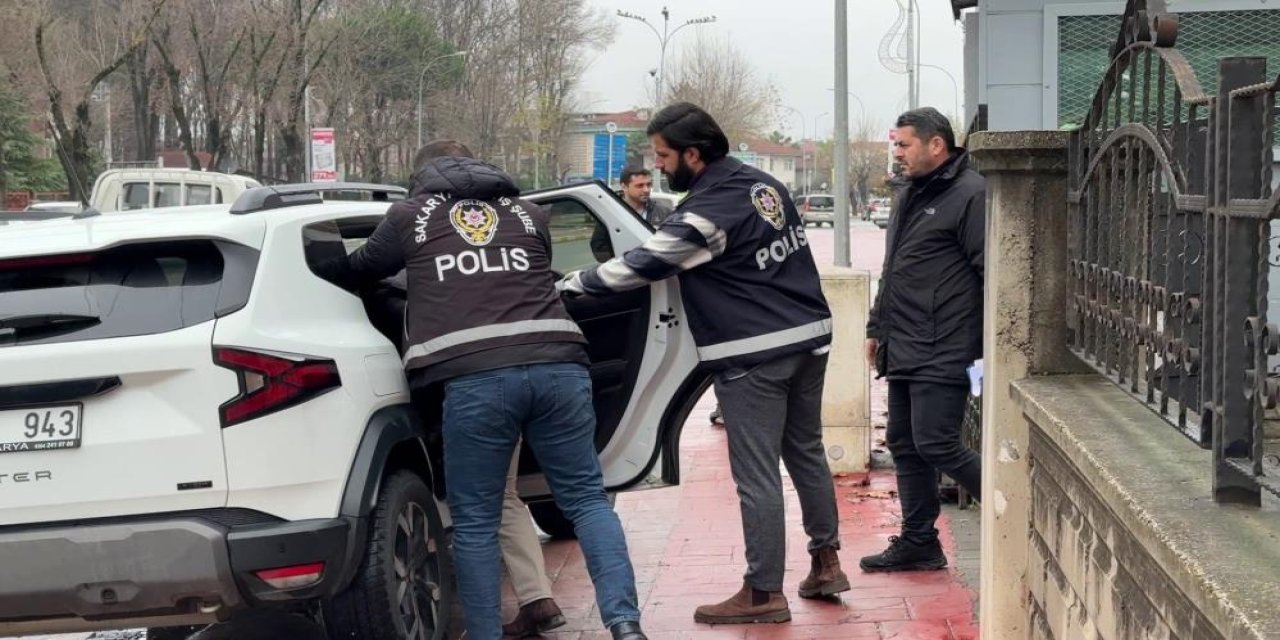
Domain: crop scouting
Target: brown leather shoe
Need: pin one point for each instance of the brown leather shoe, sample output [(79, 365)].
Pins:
[(825, 576), (740, 608), (534, 618)]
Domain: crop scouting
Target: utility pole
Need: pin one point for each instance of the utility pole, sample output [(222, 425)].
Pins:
[(842, 134), (913, 97)]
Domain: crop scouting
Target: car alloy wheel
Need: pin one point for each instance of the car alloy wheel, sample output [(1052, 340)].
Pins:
[(416, 563)]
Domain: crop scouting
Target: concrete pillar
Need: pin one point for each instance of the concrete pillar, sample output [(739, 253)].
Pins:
[(1024, 334), (846, 401)]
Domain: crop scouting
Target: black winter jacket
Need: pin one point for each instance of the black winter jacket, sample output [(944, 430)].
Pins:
[(481, 294), (928, 312)]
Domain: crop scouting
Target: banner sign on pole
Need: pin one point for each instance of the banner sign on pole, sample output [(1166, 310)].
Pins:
[(324, 157)]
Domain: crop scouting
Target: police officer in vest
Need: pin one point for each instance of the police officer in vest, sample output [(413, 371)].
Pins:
[(485, 323), (761, 322)]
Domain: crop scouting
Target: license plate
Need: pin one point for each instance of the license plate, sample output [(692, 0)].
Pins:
[(40, 428)]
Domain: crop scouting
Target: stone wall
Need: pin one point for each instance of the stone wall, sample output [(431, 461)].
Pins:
[(1089, 576), (1098, 517)]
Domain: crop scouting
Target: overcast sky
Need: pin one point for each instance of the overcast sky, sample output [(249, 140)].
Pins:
[(792, 44)]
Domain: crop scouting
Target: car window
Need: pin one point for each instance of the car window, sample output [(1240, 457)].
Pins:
[(131, 290), (578, 239), (326, 243), (168, 194), (822, 202), (137, 195), (199, 194)]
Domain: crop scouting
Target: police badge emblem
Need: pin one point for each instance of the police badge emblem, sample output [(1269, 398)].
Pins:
[(475, 220), (768, 203)]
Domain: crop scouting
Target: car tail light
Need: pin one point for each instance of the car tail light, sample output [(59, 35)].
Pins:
[(271, 382), (301, 575)]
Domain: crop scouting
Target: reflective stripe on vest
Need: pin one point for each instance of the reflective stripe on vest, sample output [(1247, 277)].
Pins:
[(489, 332), (765, 342)]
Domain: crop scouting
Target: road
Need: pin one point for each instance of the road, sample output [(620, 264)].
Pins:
[(867, 253)]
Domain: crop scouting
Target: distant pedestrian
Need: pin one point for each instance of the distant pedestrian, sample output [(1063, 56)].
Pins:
[(637, 188), (926, 329)]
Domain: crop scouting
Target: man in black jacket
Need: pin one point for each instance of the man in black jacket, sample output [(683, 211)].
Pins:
[(926, 329), (484, 321), (759, 318)]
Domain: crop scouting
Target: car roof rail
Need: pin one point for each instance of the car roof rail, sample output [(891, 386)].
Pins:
[(293, 195)]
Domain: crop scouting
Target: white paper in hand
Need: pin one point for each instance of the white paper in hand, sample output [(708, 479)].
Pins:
[(975, 378)]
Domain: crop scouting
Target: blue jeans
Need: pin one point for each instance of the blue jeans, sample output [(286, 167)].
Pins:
[(484, 416)]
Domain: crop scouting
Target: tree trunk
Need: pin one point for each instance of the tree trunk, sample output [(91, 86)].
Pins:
[(260, 141), (145, 121), (173, 79)]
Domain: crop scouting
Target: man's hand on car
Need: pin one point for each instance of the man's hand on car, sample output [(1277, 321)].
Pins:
[(570, 286)]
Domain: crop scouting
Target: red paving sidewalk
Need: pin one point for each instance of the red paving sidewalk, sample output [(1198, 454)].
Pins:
[(686, 543)]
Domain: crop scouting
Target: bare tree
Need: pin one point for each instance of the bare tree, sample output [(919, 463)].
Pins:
[(551, 60), (117, 40), (303, 58), (232, 79), (713, 74), (867, 158), (174, 81)]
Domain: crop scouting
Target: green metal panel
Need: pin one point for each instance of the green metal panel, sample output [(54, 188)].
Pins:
[(1084, 44)]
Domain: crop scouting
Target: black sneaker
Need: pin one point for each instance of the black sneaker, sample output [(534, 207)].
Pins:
[(904, 555)]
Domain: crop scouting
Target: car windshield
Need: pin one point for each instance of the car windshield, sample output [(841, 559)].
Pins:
[(822, 202)]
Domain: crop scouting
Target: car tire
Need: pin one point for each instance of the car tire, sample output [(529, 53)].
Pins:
[(406, 519), (552, 520), (173, 633)]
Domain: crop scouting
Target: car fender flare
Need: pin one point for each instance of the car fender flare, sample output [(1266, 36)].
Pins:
[(388, 428)]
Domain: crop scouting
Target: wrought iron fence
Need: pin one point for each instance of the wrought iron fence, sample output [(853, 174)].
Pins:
[(1173, 238)]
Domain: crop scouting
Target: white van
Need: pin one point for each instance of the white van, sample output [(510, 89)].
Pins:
[(127, 189)]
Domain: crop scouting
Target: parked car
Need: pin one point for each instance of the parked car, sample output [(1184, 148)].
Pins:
[(880, 214), (131, 189), (817, 209), (193, 423)]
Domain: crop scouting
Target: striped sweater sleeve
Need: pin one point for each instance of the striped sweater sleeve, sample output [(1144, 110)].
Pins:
[(683, 241)]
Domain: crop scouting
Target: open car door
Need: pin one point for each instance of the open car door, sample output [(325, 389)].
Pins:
[(643, 359)]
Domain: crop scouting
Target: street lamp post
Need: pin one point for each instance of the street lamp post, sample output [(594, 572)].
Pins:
[(664, 37), (955, 86), (862, 106), (422, 76), (813, 169), (840, 179)]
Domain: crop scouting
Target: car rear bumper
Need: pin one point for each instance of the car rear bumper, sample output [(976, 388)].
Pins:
[(818, 216), (154, 572)]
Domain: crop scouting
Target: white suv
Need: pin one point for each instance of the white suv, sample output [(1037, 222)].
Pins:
[(193, 423)]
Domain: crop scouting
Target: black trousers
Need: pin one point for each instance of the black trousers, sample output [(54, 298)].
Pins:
[(924, 437)]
